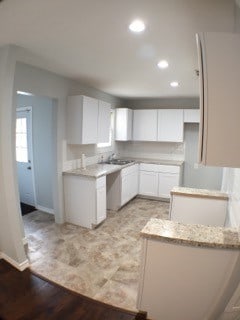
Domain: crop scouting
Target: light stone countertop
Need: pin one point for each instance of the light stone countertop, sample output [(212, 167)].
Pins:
[(101, 169), (199, 193), (192, 235), (96, 170), (156, 161)]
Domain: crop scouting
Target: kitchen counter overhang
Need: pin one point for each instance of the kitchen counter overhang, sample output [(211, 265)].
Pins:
[(192, 235)]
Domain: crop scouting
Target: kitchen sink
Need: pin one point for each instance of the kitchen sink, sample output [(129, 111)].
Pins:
[(120, 162)]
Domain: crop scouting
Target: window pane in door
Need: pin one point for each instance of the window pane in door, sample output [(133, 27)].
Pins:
[(21, 140)]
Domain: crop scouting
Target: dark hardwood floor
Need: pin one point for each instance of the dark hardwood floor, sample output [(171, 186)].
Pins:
[(24, 295)]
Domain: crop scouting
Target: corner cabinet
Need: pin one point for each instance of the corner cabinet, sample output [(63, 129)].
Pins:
[(219, 68), (88, 120), (123, 127)]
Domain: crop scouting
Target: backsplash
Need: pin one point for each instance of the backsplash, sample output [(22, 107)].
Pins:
[(151, 150)]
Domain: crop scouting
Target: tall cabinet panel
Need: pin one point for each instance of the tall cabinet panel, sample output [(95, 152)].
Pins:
[(123, 128), (170, 125), (82, 120), (219, 100), (104, 121), (145, 125)]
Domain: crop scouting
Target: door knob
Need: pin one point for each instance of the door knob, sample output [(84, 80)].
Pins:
[(29, 168)]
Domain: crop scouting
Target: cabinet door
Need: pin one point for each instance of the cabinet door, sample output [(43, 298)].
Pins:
[(101, 204), (166, 182), (104, 121), (148, 184), (191, 116), (125, 190), (145, 125), (89, 120), (123, 128), (170, 125), (219, 99)]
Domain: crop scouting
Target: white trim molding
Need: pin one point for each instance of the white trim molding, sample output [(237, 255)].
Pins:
[(20, 266), (44, 209)]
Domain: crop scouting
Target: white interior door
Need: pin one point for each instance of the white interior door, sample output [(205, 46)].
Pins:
[(24, 155)]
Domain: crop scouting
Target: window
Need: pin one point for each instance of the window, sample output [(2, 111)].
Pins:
[(109, 143), (21, 140)]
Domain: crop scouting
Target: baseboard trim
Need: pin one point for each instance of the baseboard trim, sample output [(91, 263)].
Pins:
[(20, 266), (44, 209)]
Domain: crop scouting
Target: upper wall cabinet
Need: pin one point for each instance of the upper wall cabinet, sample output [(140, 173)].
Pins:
[(219, 99), (123, 127), (88, 120), (191, 115), (104, 121), (170, 125), (145, 125)]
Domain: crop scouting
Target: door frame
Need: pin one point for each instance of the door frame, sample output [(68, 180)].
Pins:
[(29, 109)]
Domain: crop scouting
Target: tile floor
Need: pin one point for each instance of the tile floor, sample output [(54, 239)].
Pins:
[(102, 263)]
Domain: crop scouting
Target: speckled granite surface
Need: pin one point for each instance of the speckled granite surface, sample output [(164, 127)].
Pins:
[(203, 193), (193, 235), (96, 170), (101, 169)]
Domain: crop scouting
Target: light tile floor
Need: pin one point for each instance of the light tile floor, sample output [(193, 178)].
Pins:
[(102, 263)]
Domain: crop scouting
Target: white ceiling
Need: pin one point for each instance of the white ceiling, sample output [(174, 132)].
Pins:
[(89, 40)]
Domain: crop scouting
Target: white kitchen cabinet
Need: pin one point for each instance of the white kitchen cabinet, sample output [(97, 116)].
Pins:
[(191, 115), (148, 184), (219, 99), (129, 183), (145, 125), (170, 125), (82, 120), (85, 200), (158, 180), (166, 181), (104, 121), (123, 124)]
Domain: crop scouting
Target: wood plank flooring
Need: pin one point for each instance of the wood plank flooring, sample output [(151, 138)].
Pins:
[(24, 295)]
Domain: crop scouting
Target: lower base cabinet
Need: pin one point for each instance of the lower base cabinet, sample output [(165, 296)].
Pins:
[(158, 180), (129, 183), (85, 200)]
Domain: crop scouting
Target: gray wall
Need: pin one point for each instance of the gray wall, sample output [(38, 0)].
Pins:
[(42, 138), (192, 102), (11, 231), (203, 177)]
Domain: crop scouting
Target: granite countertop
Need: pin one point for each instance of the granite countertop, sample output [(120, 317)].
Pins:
[(192, 235), (97, 170), (157, 161), (101, 169), (199, 193)]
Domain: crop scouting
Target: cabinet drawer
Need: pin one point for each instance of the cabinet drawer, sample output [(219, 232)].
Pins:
[(129, 170), (159, 168), (101, 182)]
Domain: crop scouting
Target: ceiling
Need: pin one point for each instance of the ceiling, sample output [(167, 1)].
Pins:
[(89, 40)]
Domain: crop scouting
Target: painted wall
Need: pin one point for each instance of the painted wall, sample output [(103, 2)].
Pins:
[(11, 231), (44, 83), (162, 103), (42, 138), (201, 177)]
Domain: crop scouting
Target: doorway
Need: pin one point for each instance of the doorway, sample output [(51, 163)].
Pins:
[(35, 152), (24, 159)]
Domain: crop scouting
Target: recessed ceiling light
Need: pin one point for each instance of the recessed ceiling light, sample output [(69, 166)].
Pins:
[(137, 26), (163, 64), (24, 93), (174, 84)]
